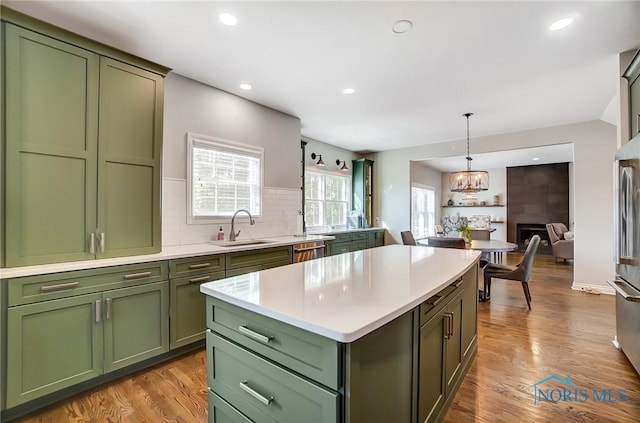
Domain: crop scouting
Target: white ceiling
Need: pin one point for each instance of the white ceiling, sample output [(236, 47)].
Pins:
[(559, 153), (496, 59)]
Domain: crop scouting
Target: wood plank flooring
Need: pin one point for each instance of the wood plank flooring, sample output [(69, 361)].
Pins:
[(567, 333)]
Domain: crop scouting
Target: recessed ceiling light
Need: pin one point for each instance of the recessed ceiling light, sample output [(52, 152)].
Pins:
[(535, 159), (402, 26), (245, 86), (348, 91), (560, 23), (228, 19)]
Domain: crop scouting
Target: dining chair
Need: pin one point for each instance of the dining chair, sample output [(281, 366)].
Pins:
[(444, 242), (520, 272), (407, 238)]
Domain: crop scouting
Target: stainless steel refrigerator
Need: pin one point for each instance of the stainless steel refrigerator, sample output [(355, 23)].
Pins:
[(627, 251)]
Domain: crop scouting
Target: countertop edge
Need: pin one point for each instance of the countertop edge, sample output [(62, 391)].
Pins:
[(167, 253), (339, 336)]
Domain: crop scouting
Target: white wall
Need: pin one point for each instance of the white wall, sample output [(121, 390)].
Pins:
[(594, 148), (194, 107)]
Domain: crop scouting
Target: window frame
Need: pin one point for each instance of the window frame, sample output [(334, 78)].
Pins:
[(430, 229), (204, 141), (349, 199)]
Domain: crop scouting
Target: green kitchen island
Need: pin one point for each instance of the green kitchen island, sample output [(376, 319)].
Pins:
[(380, 335)]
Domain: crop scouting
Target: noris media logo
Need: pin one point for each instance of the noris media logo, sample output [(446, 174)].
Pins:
[(568, 392)]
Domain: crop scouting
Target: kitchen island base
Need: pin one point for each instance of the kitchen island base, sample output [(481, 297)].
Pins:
[(407, 370)]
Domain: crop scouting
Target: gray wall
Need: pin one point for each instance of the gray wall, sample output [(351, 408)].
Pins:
[(594, 148), (194, 107)]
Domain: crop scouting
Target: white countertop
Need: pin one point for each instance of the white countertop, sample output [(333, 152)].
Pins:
[(345, 230), (346, 296), (167, 253)]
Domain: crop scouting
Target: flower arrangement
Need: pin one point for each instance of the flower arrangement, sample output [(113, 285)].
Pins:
[(465, 231)]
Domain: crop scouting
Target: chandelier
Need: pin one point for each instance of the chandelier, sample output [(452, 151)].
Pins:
[(468, 181)]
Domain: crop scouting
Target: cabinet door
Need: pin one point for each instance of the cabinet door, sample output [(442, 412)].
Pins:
[(51, 149), (469, 318), (136, 324), (188, 308), (453, 356), (431, 380), (130, 148), (52, 345)]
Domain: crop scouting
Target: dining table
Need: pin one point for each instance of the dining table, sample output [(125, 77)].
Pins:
[(493, 247)]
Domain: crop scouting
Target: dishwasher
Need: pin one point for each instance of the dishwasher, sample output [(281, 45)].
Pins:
[(308, 251)]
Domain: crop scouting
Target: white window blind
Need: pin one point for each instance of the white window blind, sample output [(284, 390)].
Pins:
[(223, 177)]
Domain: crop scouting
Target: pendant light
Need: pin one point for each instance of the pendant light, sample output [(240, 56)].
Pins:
[(468, 181)]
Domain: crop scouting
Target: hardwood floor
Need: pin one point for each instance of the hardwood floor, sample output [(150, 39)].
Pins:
[(567, 333)]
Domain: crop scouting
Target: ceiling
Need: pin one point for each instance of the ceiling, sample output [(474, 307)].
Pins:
[(559, 153), (496, 59)]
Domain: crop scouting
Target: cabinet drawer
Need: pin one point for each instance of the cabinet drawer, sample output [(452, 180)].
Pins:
[(262, 390), (188, 308), (221, 411), (30, 289), (430, 307), (195, 265), (359, 245), (342, 237), (307, 353), (340, 247), (356, 236), (258, 257)]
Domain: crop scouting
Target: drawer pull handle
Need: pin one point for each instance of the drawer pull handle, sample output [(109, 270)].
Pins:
[(457, 283), (436, 301), (255, 335), (199, 279), (245, 387), (199, 266), (108, 301), (137, 275), (58, 287)]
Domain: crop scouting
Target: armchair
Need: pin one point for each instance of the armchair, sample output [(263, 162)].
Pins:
[(561, 247)]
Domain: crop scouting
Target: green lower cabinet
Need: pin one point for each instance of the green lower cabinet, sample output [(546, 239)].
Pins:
[(59, 343), (340, 248), (136, 324), (431, 389), (441, 365), (264, 391), (362, 244), (52, 345), (187, 315), (221, 411)]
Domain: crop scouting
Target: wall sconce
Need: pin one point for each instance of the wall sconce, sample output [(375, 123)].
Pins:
[(319, 156), (344, 167)]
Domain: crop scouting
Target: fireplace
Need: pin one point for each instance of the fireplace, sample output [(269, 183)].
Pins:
[(525, 231)]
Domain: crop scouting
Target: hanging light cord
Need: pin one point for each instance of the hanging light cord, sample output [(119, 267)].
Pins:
[(468, 115)]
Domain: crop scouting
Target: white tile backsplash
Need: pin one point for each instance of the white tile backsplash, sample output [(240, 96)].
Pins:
[(279, 211)]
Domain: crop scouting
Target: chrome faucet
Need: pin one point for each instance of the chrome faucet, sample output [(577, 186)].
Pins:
[(233, 234)]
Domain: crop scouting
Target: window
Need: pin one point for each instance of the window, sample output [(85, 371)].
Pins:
[(423, 211), (223, 177), (326, 199)]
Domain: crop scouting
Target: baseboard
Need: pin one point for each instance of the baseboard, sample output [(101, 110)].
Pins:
[(593, 289)]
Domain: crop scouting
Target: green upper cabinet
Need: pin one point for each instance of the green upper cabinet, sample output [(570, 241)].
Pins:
[(51, 148), (129, 160), (362, 189), (83, 140)]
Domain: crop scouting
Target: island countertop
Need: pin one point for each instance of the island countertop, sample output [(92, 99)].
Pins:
[(346, 296)]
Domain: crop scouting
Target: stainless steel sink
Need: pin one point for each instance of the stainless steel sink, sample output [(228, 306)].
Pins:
[(242, 242)]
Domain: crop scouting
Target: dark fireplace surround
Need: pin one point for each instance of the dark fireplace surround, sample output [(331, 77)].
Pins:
[(536, 195)]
